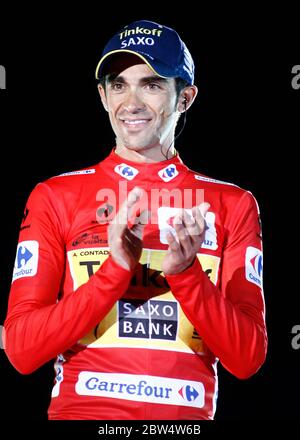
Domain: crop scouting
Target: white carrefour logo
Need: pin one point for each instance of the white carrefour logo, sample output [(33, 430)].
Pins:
[(254, 265), (126, 171), (26, 262), (168, 173), (166, 217), (141, 388)]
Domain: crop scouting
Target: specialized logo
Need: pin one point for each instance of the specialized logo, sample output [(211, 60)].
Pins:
[(168, 173), (105, 213), (166, 217), (141, 388), (254, 265), (126, 171), (26, 262), (153, 319)]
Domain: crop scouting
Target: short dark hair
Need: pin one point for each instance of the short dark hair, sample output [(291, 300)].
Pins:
[(180, 84)]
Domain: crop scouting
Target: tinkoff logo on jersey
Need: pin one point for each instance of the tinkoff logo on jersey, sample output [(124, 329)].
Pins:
[(153, 319), (141, 388), (26, 262), (254, 265), (126, 171), (168, 173)]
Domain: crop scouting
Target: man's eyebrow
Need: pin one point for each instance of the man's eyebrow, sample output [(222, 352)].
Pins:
[(114, 77), (154, 78), (146, 79)]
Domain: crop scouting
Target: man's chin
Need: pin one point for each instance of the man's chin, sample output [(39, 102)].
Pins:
[(139, 146)]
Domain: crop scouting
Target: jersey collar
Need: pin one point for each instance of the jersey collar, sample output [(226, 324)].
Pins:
[(165, 171)]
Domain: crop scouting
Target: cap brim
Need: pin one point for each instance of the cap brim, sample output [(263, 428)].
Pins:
[(100, 64)]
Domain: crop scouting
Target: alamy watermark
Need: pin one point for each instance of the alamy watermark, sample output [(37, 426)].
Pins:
[(2, 339), (149, 202), (296, 78), (2, 77), (296, 338)]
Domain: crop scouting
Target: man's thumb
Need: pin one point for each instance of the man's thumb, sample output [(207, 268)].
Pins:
[(140, 222), (204, 207)]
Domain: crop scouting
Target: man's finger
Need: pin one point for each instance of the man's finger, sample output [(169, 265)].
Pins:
[(125, 210), (199, 214), (204, 207), (191, 224), (140, 222), (173, 244), (182, 232)]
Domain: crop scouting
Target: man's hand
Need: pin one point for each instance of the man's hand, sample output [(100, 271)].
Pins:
[(190, 231), (126, 243)]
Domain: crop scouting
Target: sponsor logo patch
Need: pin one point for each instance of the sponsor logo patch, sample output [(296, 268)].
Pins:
[(168, 173), (166, 224), (88, 238), (136, 322), (105, 213), (153, 319), (76, 173), (150, 389), (254, 265), (126, 171), (26, 262), (208, 179)]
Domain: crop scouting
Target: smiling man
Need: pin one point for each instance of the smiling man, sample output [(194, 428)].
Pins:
[(143, 108), (138, 273)]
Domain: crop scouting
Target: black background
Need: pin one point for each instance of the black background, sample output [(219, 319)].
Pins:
[(243, 128)]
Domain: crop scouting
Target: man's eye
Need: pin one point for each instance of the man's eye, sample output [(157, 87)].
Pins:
[(153, 86), (117, 86)]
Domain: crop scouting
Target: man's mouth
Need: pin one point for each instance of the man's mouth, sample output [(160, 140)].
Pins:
[(135, 122)]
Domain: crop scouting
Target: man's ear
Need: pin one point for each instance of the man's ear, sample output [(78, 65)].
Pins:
[(186, 98), (102, 96)]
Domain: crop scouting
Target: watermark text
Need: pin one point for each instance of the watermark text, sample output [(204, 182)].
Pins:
[(2, 77), (296, 78)]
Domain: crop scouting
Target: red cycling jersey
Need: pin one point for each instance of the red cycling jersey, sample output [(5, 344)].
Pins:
[(136, 344)]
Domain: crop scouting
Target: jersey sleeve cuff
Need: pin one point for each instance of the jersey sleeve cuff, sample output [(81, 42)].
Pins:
[(189, 275), (115, 271)]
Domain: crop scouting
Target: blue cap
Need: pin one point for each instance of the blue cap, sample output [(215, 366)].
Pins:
[(160, 47)]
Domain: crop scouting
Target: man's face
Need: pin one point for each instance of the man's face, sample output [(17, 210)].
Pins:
[(141, 106)]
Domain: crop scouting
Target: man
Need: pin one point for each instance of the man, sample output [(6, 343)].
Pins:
[(138, 273)]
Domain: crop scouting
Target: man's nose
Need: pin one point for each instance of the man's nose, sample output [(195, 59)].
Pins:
[(133, 102)]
